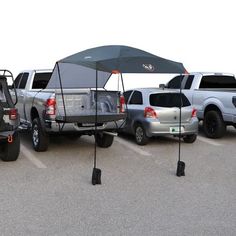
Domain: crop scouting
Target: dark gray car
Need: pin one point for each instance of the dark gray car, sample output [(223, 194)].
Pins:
[(9, 121), (156, 112)]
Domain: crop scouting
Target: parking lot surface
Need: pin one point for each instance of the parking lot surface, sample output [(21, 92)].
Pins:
[(51, 193)]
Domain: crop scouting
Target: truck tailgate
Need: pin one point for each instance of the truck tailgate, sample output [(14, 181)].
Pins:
[(80, 106)]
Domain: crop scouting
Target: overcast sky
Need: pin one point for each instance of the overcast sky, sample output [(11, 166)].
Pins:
[(200, 34)]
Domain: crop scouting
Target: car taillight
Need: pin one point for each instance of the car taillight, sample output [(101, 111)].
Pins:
[(51, 106), (194, 113), (122, 104), (13, 114), (150, 112)]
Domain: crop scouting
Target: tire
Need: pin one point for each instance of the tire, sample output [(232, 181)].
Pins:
[(40, 139), (104, 140), (140, 135), (190, 138), (213, 125), (11, 150)]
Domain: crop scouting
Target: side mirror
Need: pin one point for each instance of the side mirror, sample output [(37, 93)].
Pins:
[(162, 86)]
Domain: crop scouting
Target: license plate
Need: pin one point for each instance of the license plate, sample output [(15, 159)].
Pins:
[(175, 130)]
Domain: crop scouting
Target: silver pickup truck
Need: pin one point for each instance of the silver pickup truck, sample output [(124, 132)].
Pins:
[(214, 97), (72, 112)]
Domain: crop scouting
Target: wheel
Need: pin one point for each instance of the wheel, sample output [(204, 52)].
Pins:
[(10, 151), (40, 139), (104, 140), (140, 135), (190, 138), (213, 125)]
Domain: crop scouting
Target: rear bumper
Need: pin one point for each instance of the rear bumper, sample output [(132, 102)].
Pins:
[(55, 127), (155, 128)]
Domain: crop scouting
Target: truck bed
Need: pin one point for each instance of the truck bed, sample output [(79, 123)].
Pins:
[(79, 106)]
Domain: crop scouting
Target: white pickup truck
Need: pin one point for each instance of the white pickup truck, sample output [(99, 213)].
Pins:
[(214, 97), (73, 112)]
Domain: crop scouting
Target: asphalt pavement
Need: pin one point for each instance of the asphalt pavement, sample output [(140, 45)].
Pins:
[(51, 193)]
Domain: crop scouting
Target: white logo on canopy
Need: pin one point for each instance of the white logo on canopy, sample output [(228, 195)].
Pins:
[(149, 67)]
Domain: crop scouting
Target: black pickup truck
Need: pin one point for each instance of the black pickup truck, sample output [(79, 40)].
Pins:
[(9, 121)]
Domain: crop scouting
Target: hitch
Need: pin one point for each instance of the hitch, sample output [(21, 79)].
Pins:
[(10, 138)]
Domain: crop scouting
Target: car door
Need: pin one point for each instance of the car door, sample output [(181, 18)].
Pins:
[(20, 84), (134, 109)]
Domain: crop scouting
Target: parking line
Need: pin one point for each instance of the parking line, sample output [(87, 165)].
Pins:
[(133, 147), (208, 141), (31, 157)]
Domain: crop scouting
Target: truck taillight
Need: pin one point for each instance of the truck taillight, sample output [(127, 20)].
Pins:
[(51, 106), (194, 113), (122, 104), (13, 114), (149, 113)]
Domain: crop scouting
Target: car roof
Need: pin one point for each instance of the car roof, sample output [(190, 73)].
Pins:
[(154, 90), (211, 73)]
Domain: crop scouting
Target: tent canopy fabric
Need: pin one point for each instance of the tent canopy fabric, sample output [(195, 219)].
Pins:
[(79, 70), (123, 59)]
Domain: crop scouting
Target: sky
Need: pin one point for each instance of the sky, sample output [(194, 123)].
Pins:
[(200, 34)]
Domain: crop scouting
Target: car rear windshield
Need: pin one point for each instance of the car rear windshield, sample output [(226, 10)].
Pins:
[(218, 81), (168, 100)]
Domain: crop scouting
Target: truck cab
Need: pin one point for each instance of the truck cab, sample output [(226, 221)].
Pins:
[(214, 97)]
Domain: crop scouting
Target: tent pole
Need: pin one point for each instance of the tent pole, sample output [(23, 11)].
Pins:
[(123, 87), (180, 164), (96, 176), (62, 94)]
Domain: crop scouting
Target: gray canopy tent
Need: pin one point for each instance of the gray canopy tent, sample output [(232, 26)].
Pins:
[(92, 68)]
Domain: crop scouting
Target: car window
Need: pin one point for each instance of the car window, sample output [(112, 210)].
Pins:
[(175, 82), (127, 95), (217, 81), (189, 82), (2, 94), (41, 80), (17, 80), (23, 81), (168, 100), (136, 98)]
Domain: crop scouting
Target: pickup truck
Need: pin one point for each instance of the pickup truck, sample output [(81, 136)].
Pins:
[(72, 112), (214, 97)]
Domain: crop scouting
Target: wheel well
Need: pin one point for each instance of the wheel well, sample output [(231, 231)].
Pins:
[(135, 124), (212, 108), (34, 113)]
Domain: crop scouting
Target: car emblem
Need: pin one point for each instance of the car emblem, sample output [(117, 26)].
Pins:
[(149, 67)]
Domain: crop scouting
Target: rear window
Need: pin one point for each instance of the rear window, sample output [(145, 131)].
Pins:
[(218, 81), (168, 100), (41, 80)]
